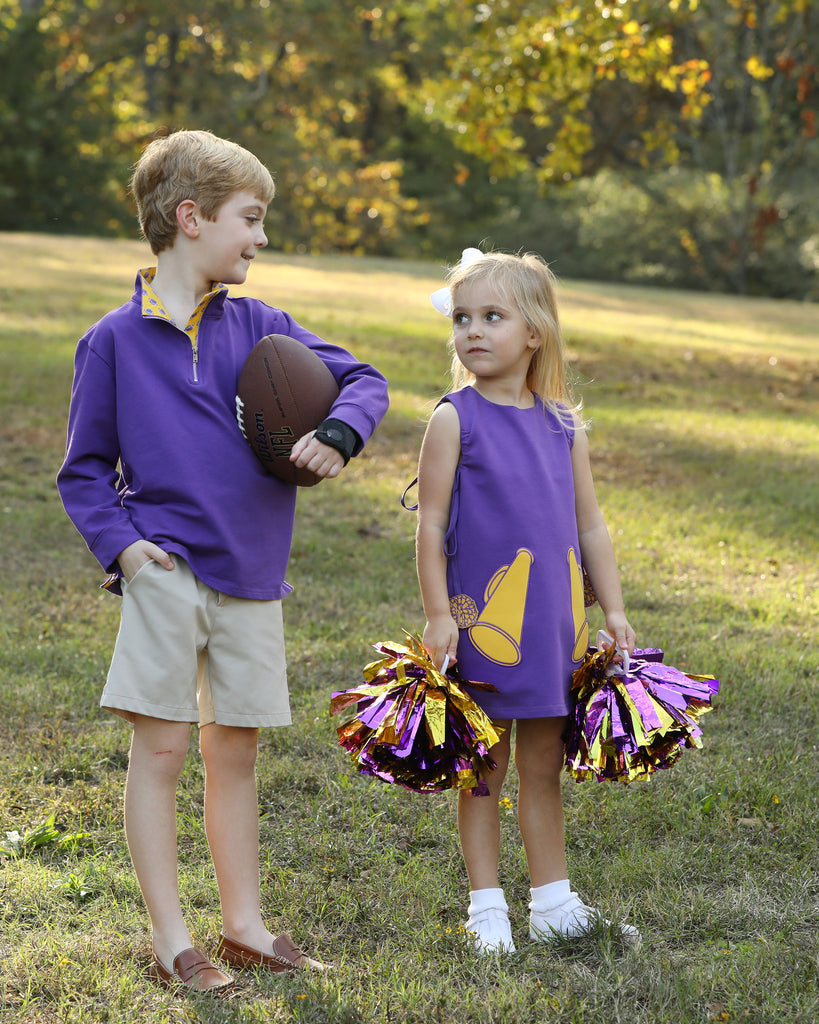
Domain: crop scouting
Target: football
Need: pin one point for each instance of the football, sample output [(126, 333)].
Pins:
[(284, 391)]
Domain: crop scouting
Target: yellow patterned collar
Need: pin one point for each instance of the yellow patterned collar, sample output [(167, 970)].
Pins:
[(152, 304)]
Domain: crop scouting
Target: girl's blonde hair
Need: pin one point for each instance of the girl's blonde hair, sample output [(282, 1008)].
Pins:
[(194, 165), (527, 283)]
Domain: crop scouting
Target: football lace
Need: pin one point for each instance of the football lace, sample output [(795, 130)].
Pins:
[(240, 411)]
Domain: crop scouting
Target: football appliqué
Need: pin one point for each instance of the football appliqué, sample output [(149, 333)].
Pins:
[(284, 391)]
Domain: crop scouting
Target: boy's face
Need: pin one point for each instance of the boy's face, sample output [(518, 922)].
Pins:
[(233, 238)]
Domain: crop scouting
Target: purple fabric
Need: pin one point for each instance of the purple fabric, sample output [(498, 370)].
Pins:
[(189, 481), (645, 708), (513, 493)]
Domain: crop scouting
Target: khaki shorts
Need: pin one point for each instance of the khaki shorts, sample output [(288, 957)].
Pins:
[(187, 653)]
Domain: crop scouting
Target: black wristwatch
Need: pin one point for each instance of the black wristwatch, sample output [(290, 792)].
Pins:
[(340, 436)]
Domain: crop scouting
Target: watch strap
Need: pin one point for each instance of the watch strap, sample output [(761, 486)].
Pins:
[(340, 436)]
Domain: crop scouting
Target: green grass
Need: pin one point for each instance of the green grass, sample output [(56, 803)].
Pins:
[(705, 443)]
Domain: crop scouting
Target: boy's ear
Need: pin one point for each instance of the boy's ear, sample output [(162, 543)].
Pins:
[(188, 216)]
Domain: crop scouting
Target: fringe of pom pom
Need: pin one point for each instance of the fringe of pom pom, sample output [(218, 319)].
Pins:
[(413, 725), (627, 723)]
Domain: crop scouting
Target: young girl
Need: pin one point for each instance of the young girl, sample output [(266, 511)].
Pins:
[(507, 516)]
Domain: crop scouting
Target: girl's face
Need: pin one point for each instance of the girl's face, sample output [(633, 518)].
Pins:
[(491, 338)]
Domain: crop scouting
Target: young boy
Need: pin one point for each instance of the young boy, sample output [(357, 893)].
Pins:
[(195, 535)]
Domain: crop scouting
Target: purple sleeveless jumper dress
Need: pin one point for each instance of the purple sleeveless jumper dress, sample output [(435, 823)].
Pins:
[(513, 559)]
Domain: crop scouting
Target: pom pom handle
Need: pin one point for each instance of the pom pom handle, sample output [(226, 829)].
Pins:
[(604, 641)]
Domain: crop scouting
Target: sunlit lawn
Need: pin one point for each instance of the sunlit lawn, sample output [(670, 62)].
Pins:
[(705, 441)]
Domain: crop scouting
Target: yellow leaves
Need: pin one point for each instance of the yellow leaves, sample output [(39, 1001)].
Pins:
[(757, 69), (296, 64), (688, 243), (691, 78), (665, 44), (659, 138), (564, 159)]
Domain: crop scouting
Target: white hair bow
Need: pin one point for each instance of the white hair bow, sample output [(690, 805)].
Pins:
[(442, 298)]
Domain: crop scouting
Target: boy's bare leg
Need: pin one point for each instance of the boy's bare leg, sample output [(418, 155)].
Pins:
[(232, 825), (158, 749)]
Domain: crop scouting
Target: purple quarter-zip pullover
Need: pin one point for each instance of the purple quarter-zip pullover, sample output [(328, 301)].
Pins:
[(154, 450)]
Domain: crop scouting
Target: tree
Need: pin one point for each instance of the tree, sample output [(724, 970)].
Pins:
[(754, 143), (562, 87), (415, 125), (86, 84), (57, 164), (693, 101)]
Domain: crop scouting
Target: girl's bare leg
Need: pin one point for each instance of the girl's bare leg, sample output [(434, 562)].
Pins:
[(539, 760), (479, 827), (479, 820)]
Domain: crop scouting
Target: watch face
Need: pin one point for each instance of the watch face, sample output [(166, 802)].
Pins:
[(335, 434)]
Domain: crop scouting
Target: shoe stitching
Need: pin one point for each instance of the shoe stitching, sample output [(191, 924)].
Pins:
[(253, 956)]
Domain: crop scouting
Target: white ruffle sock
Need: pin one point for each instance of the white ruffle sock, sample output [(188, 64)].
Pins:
[(556, 912), (489, 922)]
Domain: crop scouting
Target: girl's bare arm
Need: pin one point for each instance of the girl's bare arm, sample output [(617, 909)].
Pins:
[(440, 453)]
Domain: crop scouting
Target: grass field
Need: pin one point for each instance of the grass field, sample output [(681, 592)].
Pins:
[(705, 444)]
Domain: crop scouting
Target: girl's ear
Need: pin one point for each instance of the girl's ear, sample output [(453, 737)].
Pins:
[(188, 216)]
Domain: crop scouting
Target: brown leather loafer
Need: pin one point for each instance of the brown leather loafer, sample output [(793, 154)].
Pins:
[(285, 956), (191, 971)]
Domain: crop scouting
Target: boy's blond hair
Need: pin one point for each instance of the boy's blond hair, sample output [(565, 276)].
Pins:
[(527, 283), (194, 165)]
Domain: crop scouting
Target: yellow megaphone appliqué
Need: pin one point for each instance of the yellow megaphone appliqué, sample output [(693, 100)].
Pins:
[(581, 624), (496, 634)]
